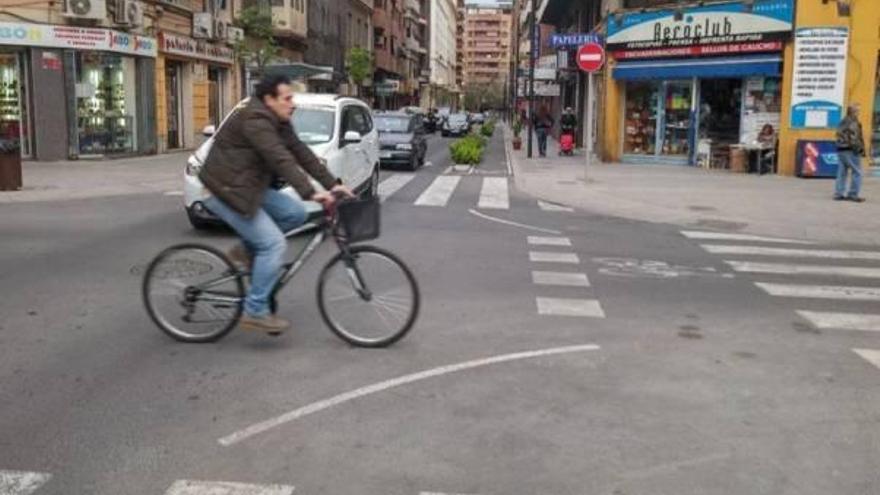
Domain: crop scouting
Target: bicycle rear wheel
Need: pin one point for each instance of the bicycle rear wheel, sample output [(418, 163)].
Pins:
[(193, 293), (368, 299)]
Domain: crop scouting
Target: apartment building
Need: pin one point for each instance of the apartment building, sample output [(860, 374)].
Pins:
[(487, 45), (416, 43), (389, 51), (334, 28)]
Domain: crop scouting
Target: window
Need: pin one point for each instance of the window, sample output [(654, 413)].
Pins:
[(356, 119)]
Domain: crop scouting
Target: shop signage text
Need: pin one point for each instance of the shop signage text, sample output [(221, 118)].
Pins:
[(191, 48), (819, 77), (573, 40), (73, 37), (700, 50), (719, 24)]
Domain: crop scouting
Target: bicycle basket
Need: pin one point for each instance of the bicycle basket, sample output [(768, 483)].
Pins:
[(359, 219)]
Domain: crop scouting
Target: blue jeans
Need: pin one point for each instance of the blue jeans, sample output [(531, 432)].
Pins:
[(542, 140), (263, 236), (851, 162)]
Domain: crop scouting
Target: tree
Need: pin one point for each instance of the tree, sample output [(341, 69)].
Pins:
[(359, 63), (486, 95), (259, 46)]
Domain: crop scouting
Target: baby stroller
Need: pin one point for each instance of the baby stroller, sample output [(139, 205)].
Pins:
[(566, 142)]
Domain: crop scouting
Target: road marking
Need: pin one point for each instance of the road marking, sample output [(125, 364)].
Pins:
[(721, 236), (438, 193), (549, 241), (870, 355), (494, 193), (443, 493), (515, 224), (821, 291), (553, 306), (560, 278), (842, 321), (553, 207), (552, 257), (168, 193), (187, 487), (788, 269), (394, 382), (797, 253), (393, 184), (428, 164), (21, 482)]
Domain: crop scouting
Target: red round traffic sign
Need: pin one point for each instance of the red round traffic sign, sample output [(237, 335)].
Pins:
[(590, 57)]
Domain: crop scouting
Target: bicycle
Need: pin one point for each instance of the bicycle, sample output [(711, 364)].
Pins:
[(205, 291)]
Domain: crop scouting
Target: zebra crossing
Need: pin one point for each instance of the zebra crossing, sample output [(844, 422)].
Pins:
[(571, 282), (832, 289), (27, 483), (494, 192)]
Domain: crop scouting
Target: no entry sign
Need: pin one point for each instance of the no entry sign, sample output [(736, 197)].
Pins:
[(590, 57)]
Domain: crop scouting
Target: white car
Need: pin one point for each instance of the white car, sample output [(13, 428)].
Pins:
[(338, 129)]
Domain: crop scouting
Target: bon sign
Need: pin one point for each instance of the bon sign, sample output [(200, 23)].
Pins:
[(590, 57)]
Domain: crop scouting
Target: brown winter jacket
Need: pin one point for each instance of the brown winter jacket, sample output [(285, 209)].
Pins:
[(251, 148)]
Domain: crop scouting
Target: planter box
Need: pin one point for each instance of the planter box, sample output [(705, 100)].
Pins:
[(10, 171)]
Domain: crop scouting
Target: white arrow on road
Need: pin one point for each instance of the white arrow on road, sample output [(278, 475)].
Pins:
[(21, 482)]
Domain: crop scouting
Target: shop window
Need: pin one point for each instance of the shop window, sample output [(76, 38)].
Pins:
[(105, 103), (14, 121), (640, 120), (762, 105), (677, 111)]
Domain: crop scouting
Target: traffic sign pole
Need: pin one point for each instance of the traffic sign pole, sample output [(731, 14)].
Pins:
[(590, 58)]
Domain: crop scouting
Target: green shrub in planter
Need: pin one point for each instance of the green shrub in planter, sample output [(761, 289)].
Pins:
[(488, 129), (467, 150)]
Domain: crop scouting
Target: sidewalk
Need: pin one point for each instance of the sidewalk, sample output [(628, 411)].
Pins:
[(80, 179), (701, 199)]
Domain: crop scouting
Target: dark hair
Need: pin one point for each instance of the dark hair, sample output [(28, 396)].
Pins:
[(269, 85)]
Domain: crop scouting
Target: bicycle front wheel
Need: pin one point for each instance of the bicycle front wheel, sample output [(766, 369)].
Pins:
[(369, 298), (193, 293)]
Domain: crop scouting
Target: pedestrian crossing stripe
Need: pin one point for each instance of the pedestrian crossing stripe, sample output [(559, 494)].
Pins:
[(439, 192), (494, 194), (552, 306), (188, 487), (870, 355), (724, 236), (791, 253), (392, 184), (821, 291), (545, 206), (826, 320), (793, 269), (553, 257), (21, 482)]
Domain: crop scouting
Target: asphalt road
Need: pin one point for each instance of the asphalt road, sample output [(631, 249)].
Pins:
[(677, 375)]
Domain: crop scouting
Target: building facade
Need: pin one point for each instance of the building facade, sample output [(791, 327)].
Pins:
[(334, 28), (416, 46), (442, 88), (487, 46), (389, 53)]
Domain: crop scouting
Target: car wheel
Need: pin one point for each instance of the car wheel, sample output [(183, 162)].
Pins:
[(196, 222)]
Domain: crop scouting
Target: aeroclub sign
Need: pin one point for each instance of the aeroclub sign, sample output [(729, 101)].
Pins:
[(724, 28)]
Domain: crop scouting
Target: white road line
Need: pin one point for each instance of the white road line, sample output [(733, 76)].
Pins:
[(553, 207), (166, 193), (796, 253), (536, 240), (721, 236), (494, 194), (821, 291), (444, 493), (393, 184), (870, 355), (560, 278), (187, 487), (21, 482), (788, 269), (394, 382), (552, 257), (552, 306), (438, 193), (512, 223), (842, 321)]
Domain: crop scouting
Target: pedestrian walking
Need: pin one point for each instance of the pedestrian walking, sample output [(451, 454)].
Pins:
[(542, 122), (850, 150)]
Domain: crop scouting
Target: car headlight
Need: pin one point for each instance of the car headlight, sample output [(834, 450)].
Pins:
[(193, 166), (404, 146)]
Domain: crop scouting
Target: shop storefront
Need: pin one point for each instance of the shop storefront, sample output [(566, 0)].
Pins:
[(195, 83), (92, 78), (701, 78)]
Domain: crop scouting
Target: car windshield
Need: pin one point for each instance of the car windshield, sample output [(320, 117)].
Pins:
[(393, 124), (457, 118), (314, 125)]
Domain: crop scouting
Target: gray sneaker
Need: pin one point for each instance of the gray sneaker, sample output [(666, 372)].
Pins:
[(271, 324)]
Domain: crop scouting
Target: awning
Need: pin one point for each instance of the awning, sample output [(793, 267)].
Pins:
[(721, 67), (298, 70)]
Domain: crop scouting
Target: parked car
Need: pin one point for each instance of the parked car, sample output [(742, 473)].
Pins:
[(477, 118), (402, 139), (339, 130), (455, 125)]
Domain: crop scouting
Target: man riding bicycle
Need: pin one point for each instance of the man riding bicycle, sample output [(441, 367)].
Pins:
[(255, 146)]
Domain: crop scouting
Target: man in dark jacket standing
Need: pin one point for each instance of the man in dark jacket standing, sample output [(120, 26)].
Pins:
[(253, 147), (850, 149)]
